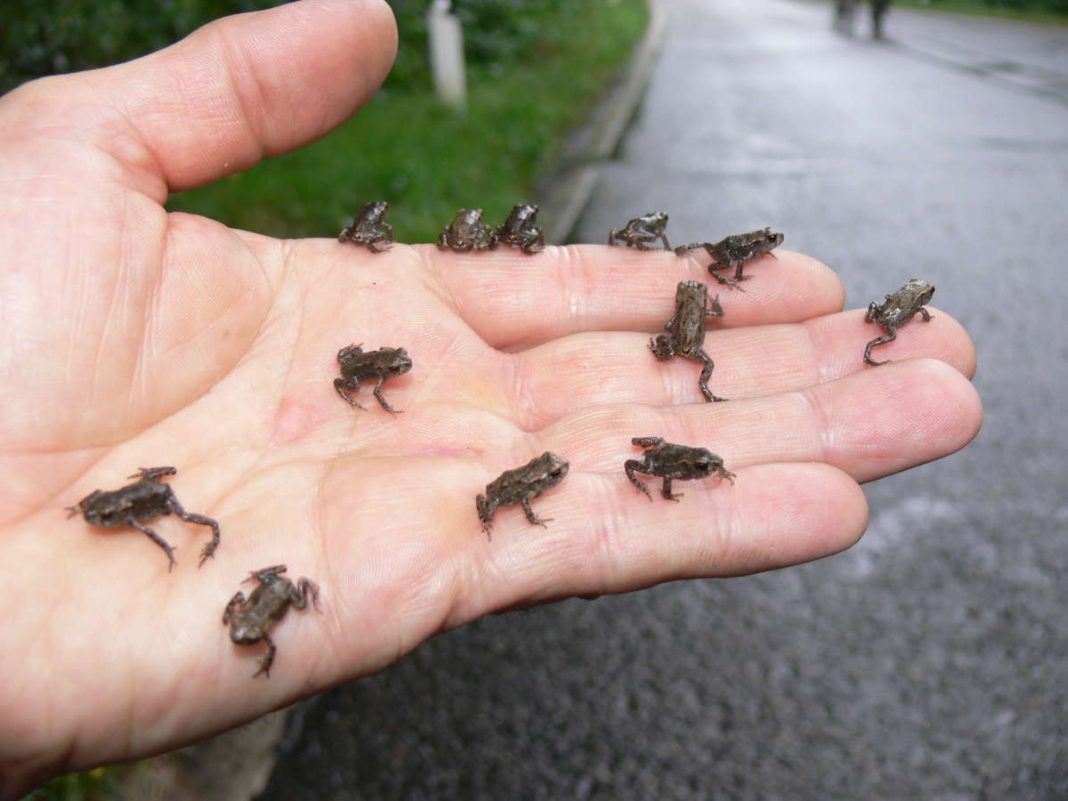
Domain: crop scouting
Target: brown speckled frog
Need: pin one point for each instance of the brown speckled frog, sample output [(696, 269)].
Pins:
[(146, 499), (671, 462), (686, 330), (521, 229), (897, 310), (520, 486), (357, 366), (734, 251), (467, 232), (266, 605), (370, 228), (641, 231)]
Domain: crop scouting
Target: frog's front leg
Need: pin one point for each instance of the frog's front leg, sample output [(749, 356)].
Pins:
[(268, 660), (265, 574), (631, 466), (381, 398), (727, 280), (235, 602), (890, 337), (706, 374), (189, 517), (713, 308), (156, 538), (666, 491), (874, 310), (374, 247), (533, 518), (661, 347), (305, 589), (664, 239), (925, 314)]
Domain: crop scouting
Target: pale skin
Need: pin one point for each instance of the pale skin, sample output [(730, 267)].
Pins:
[(134, 337)]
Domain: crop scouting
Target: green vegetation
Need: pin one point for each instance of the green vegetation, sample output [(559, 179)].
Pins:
[(92, 785), (524, 91), (1027, 10), (65, 35)]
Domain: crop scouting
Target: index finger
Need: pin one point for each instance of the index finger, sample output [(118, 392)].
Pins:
[(515, 301)]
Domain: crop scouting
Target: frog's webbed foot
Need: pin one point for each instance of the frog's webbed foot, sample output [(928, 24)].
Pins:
[(533, 518), (875, 343), (156, 538)]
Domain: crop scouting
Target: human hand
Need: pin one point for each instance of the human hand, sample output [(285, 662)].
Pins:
[(139, 338)]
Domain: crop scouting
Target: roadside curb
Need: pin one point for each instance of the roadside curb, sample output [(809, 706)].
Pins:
[(564, 193)]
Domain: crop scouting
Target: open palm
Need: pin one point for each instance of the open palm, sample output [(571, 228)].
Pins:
[(137, 338)]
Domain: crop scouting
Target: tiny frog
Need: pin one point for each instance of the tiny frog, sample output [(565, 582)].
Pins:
[(673, 461), (686, 330), (735, 251), (467, 232), (640, 231), (357, 366), (268, 603), (521, 229), (146, 499), (519, 486), (370, 228), (897, 310)]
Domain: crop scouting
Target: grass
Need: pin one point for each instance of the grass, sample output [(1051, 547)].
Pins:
[(428, 161), (985, 9)]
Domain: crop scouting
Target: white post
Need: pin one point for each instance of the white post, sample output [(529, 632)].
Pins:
[(446, 54)]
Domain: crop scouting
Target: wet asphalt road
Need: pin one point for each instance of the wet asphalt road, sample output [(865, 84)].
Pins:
[(931, 660)]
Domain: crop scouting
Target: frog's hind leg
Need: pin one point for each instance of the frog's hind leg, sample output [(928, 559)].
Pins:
[(189, 517), (343, 390), (268, 660), (633, 465), (156, 538), (706, 374), (876, 342)]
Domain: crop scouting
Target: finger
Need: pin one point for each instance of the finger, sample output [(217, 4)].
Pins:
[(773, 516), (238, 89), (512, 300), (868, 424), (571, 373)]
